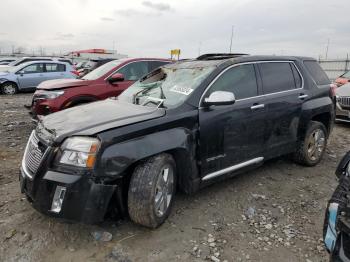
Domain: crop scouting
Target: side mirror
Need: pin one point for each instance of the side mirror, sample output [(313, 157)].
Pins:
[(220, 98), (117, 77), (20, 72)]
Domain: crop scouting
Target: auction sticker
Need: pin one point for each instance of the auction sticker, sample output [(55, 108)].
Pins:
[(182, 90)]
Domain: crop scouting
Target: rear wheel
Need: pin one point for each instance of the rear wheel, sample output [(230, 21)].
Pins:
[(9, 88), (311, 149), (151, 190)]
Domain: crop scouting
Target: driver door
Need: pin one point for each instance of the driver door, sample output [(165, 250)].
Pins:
[(232, 134), (31, 76)]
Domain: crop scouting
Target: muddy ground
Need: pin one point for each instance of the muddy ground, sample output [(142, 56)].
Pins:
[(274, 213)]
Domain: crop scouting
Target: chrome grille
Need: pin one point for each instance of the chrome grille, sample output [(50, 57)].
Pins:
[(33, 155), (344, 101)]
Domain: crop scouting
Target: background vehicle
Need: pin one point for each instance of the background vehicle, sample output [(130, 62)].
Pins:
[(28, 76), (31, 59), (183, 126), (336, 229), (6, 61), (343, 103), (343, 79), (106, 81), (92, 65)]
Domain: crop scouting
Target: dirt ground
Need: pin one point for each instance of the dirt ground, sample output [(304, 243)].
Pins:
[(274, 213)]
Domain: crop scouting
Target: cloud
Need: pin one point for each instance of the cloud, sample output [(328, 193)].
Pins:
[(126, 12), (157, 6), (107, 19)]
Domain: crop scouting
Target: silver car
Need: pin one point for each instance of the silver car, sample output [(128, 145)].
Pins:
[(343, 103), (28, 76)]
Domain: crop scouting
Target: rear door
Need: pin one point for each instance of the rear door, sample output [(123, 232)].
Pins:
[(232, 134), (54, 71), (284, 95), (31, 76)]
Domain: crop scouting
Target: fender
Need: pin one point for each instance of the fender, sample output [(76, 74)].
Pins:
[(180, 142), (86, 98), (312, 108), (343, 165)]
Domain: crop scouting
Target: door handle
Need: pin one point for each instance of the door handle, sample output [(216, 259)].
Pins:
[(257, 106), (302, 96)]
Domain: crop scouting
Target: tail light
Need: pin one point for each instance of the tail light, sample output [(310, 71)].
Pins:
[(75, 72)]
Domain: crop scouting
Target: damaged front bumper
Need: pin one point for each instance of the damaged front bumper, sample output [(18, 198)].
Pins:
[(70, 197)]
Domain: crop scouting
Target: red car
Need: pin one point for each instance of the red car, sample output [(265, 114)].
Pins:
[(343, 79), (105, 81)]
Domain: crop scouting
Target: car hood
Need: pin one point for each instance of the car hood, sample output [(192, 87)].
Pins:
[(344, 90), (93, 118), (62, 84), (2, 74)]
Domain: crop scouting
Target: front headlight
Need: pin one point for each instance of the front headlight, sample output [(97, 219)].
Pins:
[(43, 94), (79, 151)]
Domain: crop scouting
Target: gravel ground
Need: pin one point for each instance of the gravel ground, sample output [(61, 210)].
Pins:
[(274, 213)]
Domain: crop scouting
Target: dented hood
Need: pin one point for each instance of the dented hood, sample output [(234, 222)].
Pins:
[(93, 118), (62, 84)]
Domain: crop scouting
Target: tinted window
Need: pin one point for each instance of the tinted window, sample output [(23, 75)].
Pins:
[(317, 72), (55, 68), (240, 80), (155, 64), (34, 68), (134, 71), (276, 77)]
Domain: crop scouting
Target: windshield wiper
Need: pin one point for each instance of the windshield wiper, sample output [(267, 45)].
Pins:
[(147, 89)]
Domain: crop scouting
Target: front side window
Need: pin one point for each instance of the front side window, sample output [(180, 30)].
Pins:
[(32, 69), (276, 77), (134, 71), (239, 80), (55, 68)]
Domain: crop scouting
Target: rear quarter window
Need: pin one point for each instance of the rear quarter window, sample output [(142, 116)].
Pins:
[(317, 72)]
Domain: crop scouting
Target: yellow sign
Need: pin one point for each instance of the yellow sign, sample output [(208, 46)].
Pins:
[(175, 52)]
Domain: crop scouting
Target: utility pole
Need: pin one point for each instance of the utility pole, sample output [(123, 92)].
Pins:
[(327, 49), (231, 38)]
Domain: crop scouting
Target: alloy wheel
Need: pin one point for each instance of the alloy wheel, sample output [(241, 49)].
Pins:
[(316, 144), (9, 89), (164, 190)]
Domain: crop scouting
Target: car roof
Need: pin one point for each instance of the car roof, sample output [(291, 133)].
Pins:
[(43, 61), (195, 63)]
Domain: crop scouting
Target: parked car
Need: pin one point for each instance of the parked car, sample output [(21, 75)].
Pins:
[(336, 229), (343, 79), (22, 60), (92, 65), (343, 103), (6, 61), (106, 81), (80, 64), (28, 76), (183, 126)]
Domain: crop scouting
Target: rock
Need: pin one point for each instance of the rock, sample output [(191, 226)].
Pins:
[(215, 259), (250, 212), (103, 236), (268, 226), (211, 240), (10, 234)]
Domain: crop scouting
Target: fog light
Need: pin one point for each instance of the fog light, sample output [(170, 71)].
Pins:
[(58, 199)]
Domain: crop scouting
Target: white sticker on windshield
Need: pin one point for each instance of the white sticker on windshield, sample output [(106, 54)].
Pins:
[(182, 90)]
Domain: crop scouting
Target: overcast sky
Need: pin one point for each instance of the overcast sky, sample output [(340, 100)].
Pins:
[(150, 28)]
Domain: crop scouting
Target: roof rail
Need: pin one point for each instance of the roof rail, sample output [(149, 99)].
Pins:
[(219, 56)]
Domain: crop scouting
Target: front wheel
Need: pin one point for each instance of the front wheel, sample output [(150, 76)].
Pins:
[(312, 147), (151, 190), (9, 88)]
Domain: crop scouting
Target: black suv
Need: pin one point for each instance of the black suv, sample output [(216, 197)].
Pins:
[(183, 126)]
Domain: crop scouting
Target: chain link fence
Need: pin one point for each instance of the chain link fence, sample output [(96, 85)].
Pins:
[(335, 67)]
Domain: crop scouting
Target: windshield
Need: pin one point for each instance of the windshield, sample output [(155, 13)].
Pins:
[(168, 87), (101, 71)]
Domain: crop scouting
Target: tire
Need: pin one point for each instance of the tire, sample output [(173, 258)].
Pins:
[(150, 181), (311, 150), (9, 88)]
